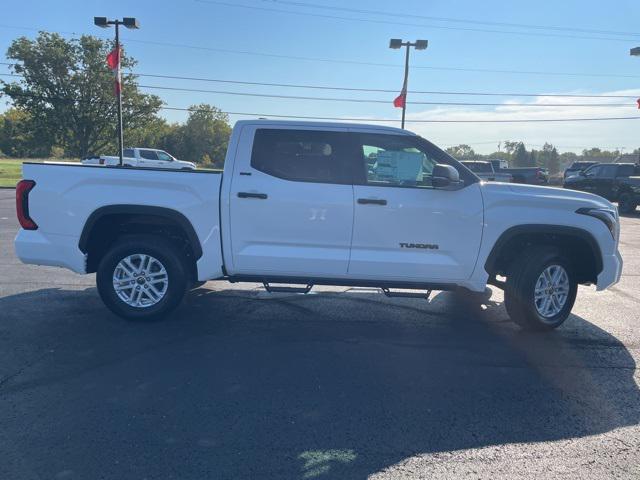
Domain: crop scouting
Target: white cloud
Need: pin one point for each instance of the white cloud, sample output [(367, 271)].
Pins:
[(568, 136)]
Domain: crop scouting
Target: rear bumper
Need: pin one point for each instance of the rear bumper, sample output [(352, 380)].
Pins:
[(611, 271), (33, 246)]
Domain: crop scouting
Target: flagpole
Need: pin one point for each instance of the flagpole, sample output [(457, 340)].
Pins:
[(119, 92), (405, 85)]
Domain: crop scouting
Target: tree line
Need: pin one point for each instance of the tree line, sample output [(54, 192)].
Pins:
[(63, 106), (516, 155)]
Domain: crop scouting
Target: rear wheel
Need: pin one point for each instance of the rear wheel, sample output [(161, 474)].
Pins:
[(540, 289), (142, 277), (625, 203)]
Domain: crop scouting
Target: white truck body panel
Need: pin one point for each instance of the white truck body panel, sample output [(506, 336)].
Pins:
[(304, 229), (67, 194)]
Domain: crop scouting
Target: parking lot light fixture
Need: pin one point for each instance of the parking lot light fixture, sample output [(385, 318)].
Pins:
[(131, 23), (396, 44)]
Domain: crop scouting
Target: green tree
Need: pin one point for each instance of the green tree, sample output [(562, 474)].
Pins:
[(510, 147), (68, 92), (19, 137), (520, 156), (206, 132), (462, 152)]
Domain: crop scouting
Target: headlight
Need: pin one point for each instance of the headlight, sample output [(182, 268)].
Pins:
[(607, 216)]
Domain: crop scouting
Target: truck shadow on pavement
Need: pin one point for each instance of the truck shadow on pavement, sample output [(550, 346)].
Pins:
[(238, 384)]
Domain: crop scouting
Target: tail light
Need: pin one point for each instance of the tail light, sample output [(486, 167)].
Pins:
[(22, 204)]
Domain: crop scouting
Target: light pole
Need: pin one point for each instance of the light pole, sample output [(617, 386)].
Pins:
[(128, 22), (397, 43)]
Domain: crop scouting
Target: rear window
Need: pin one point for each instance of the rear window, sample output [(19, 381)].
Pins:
[(302, 155)]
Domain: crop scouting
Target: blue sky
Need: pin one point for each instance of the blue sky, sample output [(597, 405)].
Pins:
[(274, 27)]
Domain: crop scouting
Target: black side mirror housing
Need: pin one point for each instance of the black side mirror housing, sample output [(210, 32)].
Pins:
[(446, 177)]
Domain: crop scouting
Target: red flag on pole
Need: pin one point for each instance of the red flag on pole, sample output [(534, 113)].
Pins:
[(113, 61), (400, 100)]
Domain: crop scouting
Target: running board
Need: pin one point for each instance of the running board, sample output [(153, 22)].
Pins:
[(391, 294), (271, 289)]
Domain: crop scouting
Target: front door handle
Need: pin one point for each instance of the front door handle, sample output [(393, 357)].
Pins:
[(372, 201), (261, 196)]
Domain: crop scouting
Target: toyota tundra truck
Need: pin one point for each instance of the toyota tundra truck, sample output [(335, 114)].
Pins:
[(302, 204)]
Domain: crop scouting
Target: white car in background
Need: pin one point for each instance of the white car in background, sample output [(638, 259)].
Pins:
[(142, 157)]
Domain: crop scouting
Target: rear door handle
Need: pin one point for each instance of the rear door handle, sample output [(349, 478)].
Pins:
[(372, 201), (261, 196)]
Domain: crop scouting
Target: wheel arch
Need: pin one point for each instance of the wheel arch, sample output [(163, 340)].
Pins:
[(102, 222), (577, 243)]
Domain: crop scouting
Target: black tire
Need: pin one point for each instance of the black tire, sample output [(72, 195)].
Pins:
[(519, 293), (165, 253), (625, 203)]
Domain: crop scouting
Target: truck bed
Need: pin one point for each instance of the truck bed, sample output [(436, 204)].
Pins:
[(66, 194)]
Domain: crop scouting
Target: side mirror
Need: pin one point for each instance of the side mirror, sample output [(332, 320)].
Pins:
[(445, 177)]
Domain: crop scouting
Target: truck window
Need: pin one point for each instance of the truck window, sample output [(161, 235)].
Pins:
[(395, 160), (593, 171), (608, 171), (164, 156), (302, 155), (626, 170), (128, 153), (148, 154)]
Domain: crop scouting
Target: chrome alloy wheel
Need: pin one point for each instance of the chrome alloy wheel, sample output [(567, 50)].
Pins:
[(140, 280), (551, 291)]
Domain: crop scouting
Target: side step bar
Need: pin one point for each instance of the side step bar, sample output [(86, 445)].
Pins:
[(275, 289), (390, 294)]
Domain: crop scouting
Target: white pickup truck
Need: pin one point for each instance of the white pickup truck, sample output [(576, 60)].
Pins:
[(142, 157), (318, 203)]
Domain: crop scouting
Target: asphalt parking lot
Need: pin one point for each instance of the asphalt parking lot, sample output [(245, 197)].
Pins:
[(240, 384)]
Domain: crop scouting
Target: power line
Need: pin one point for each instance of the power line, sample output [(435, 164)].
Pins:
[(350, 119), (453, 20), (355, 62), (421, 25), (362, 100), (356, 89)]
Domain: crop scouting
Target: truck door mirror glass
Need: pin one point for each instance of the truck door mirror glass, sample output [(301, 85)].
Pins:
[(446, 177)]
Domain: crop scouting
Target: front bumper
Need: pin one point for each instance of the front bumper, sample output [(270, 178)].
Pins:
[(611, 271)]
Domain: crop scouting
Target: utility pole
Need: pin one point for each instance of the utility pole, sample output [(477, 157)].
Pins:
[(397, 43), (128, 22)]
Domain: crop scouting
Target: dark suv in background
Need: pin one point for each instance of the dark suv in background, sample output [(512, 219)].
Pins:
[(577, 167), (617, 182)]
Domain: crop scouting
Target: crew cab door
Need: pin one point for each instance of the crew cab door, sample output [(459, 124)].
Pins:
[(605, 181), (149, 159), (291, 203), (589, 181), (404, 228)]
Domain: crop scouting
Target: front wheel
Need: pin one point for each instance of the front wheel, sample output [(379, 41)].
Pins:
[(541, 289), (142, 277)]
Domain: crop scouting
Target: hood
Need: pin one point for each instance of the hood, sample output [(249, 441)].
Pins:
[(539, 196)]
